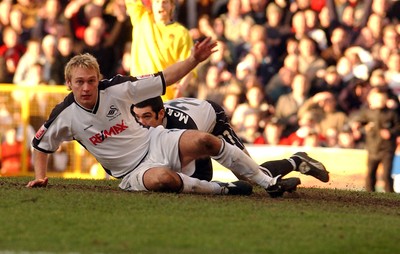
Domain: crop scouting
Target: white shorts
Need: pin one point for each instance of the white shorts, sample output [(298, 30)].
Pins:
[(163, 152)]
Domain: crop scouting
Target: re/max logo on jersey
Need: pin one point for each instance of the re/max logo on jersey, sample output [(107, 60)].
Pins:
[(114, 130)]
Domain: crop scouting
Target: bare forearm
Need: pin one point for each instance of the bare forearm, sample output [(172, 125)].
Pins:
[(200, 52), (40, 164), (177, 71)]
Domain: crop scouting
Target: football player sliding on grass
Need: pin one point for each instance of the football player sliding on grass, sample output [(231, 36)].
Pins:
[(204, 115), (97, 114)]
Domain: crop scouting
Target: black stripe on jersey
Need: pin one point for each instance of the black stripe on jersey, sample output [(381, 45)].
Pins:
[(118, 79), (68, 100)]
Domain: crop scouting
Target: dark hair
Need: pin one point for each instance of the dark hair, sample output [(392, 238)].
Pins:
[(155, 103)]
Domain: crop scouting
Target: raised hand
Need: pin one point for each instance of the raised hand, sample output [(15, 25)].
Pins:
[(202, 50)]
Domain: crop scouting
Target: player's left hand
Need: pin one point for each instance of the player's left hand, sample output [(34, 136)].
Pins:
[(38, 183)]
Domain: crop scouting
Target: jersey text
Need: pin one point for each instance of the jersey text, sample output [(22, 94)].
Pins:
[(114, 130)]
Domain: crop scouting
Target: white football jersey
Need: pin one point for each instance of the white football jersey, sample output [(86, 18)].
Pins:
[(109, 131), (190, 113)]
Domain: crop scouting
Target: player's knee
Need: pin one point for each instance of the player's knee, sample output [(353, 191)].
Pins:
[(162, 180), (209, 144)]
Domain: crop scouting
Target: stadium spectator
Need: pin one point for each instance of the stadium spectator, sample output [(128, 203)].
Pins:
[(214, 87), (342, 14), (124, 65), (327, 80), (251, 129), (230, 103), (344, 68), (142, 169), (111, 27), (339, 41), (5, 9), (223, 59), (331, 138), (271, 132), (377, 79), (6, 119), (64, 53), (256, 11), (345, 139), (29, 10), (13, 145), (266, 65), (306, 134), (11, 151), (392, 10), (233, 19), (289, 104), (365, 39), (207, 28), (31, 57), (49, 53), (326, 23), (11, 52), (116, 18), (277, 33), (353, 96), (382, 127), (325, 110), (51, 20), (158, 41), (309, 60), (299, 26), (392, 73), (375, 24), (391, 38), (79, 13), (313, 29), (16, 22), (246, 67), (280, 83), (93, 44), (243, 47), (218, 29), (255, 99)]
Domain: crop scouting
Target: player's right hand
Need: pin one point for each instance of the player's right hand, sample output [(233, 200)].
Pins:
[(38, 183)]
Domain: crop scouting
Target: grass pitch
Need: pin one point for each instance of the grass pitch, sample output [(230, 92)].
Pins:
[(94, 216)]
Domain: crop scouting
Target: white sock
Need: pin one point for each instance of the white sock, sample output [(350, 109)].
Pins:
[(266, 171), (240, 163), (194, 185)]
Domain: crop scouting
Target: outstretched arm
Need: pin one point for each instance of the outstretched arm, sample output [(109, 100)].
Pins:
[(200, 52), (40, 165)]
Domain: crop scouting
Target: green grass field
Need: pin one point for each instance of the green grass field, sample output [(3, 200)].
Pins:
[(94, 216)]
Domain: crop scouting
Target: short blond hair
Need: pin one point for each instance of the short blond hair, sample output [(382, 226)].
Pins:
[(86, 61)]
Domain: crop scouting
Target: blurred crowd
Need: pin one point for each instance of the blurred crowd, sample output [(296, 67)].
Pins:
[(292, 72)]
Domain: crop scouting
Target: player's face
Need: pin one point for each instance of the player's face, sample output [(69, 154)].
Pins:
[(162, 10), (147, 117), (84, 84)]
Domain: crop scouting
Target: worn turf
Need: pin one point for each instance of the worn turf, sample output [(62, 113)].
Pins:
[(94, 216)]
